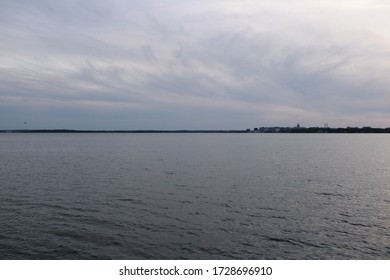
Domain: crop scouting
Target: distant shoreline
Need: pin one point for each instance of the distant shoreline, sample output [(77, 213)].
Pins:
[(116, 131), (255, 130)]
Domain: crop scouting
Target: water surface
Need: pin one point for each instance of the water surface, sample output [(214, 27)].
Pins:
[(194, 196)]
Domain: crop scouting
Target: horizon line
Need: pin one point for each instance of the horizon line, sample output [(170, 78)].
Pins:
[(268, 129)]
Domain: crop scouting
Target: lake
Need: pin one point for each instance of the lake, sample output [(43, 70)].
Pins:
[(194, 196)]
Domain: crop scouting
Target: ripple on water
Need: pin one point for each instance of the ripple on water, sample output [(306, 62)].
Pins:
[(208, 197)]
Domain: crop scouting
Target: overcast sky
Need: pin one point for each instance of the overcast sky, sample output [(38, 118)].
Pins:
[(194, 64)]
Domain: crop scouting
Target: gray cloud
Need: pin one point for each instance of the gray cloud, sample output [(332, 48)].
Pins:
[(193, 64)]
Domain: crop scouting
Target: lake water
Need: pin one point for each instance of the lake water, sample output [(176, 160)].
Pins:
[(194, 196)]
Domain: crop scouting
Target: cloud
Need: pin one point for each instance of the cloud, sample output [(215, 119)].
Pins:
[(243, 63)]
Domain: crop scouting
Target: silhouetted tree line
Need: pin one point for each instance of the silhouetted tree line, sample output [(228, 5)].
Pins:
[(319, 130)]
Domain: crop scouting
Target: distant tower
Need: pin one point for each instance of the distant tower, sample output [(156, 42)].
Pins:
[(298, 126), (326, 125)]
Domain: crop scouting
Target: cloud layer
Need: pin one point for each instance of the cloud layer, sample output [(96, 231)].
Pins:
[(172, 64)]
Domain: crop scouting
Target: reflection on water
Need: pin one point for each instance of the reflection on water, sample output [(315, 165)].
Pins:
[(194, 196)]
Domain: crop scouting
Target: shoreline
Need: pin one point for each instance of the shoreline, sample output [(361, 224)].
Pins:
[(262, 130)]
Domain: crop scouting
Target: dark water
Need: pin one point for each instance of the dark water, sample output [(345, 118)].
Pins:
[(194, 196)]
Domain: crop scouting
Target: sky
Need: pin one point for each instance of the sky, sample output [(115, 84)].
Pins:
[(194, 64)]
